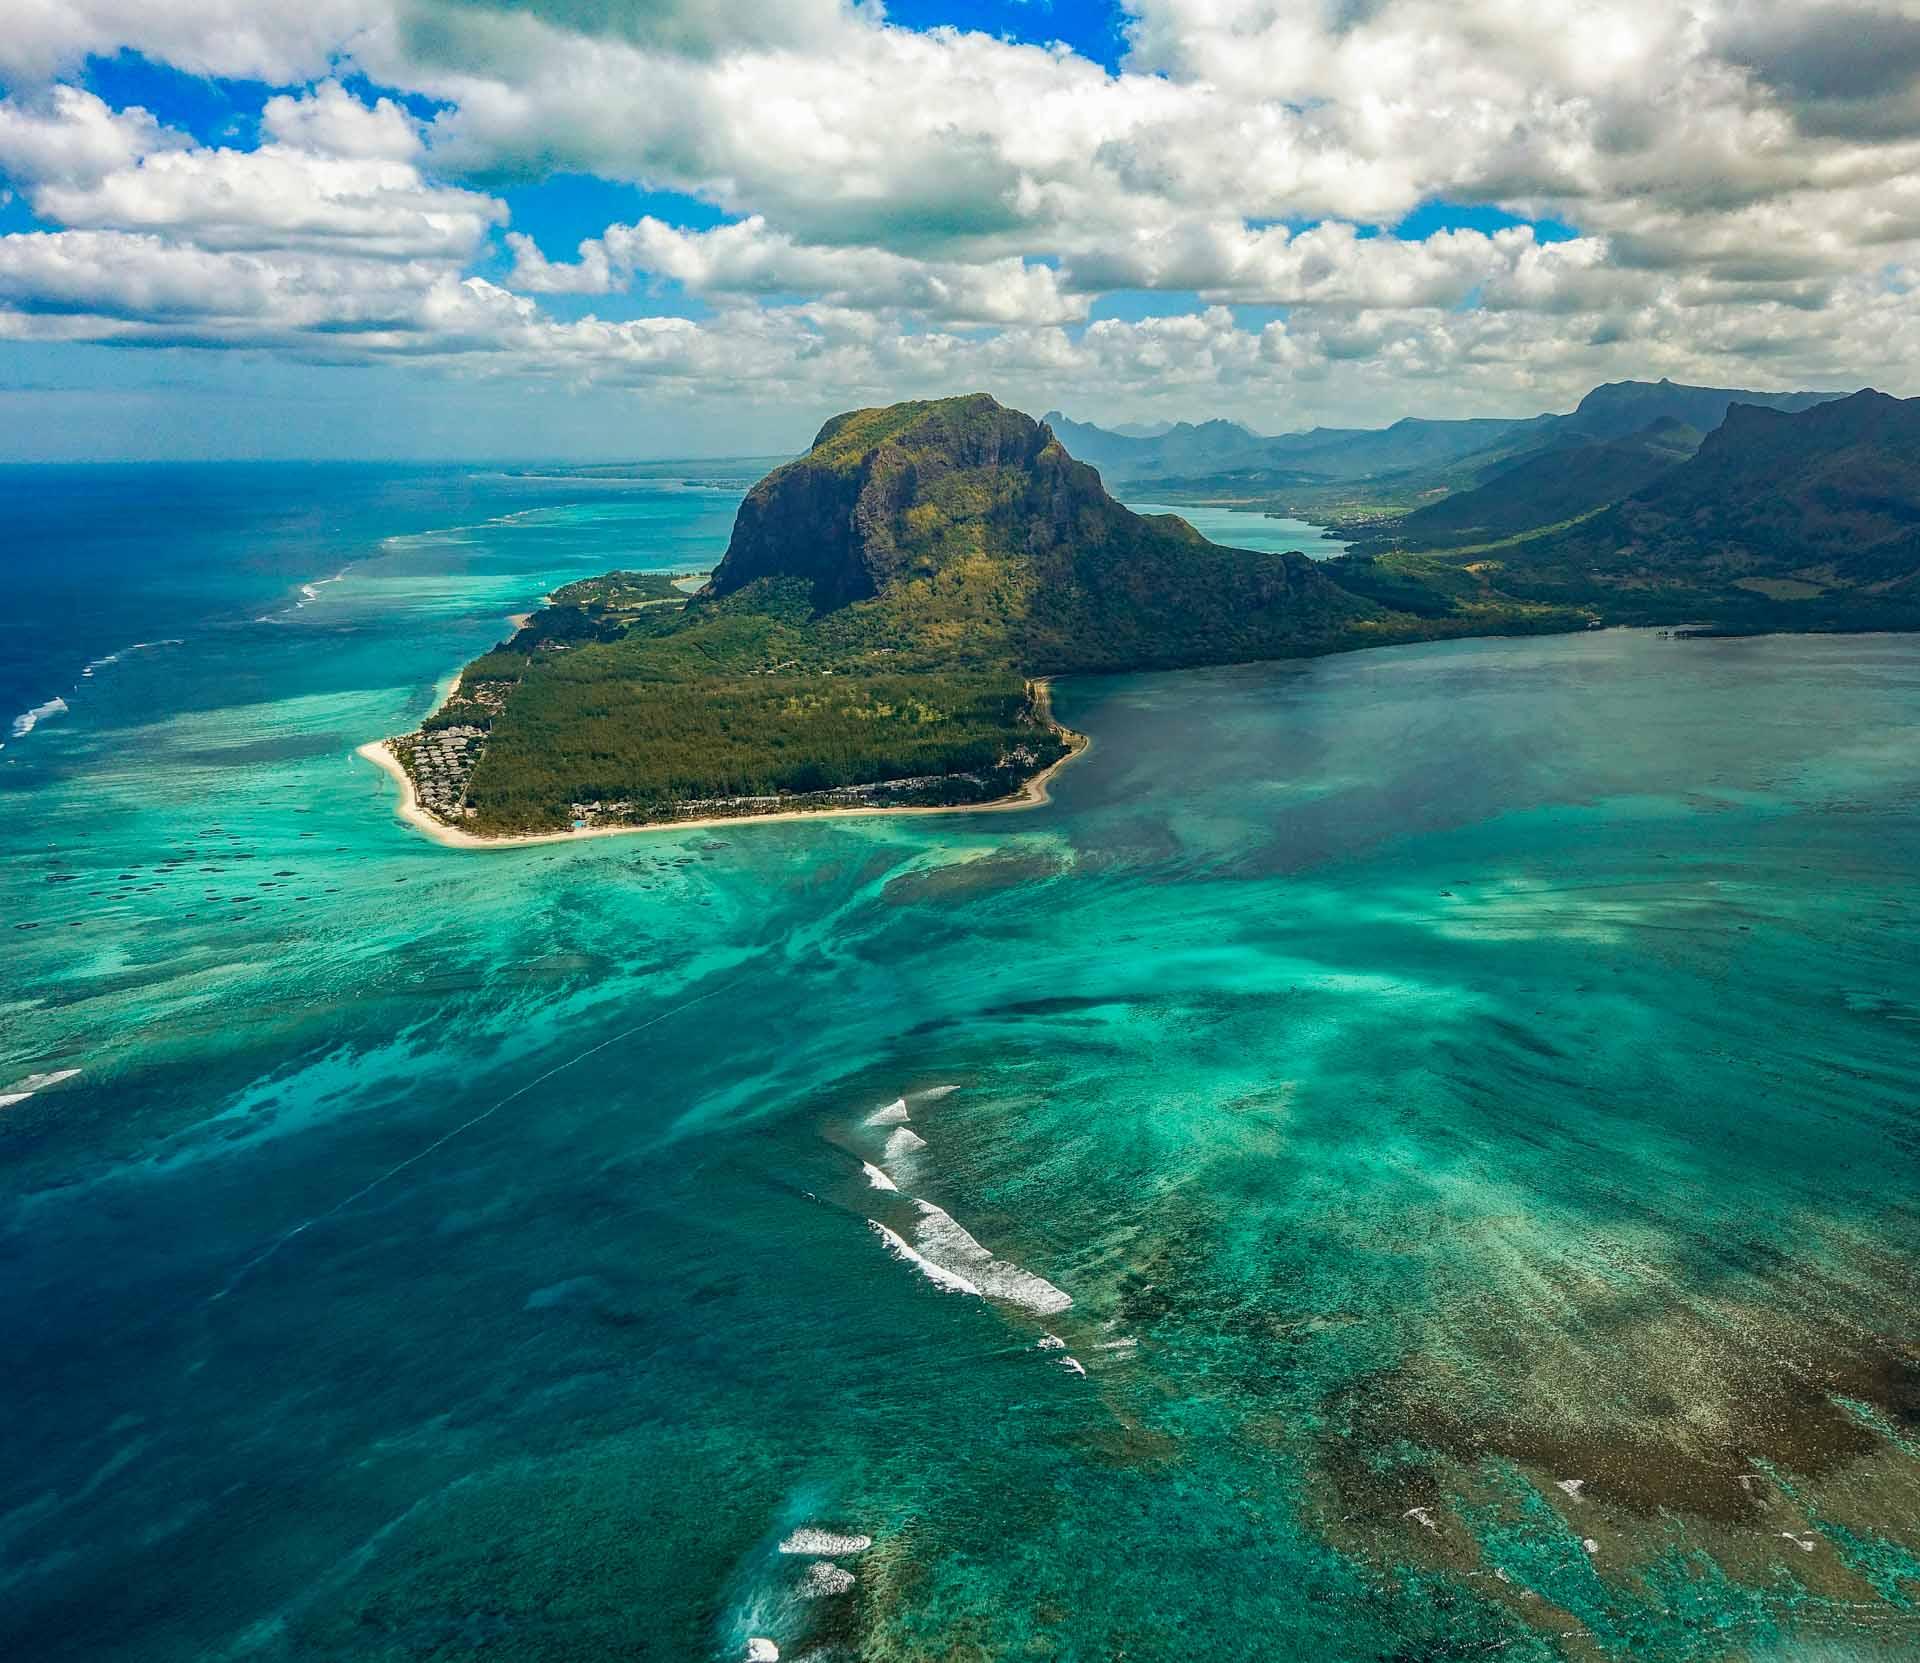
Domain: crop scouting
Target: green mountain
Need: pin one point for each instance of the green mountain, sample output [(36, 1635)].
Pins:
[(1548, 487), (962, 532), (1618, 408), (1795, 520)]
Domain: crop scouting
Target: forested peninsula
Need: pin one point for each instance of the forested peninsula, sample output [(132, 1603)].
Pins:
[(880, 632)]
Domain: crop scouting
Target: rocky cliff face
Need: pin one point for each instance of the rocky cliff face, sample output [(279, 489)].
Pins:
[(963, 521), (844, 515)]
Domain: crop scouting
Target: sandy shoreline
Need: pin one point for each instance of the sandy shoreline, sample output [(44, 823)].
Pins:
[(1033, 794)]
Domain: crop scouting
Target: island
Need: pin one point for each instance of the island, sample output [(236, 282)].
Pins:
[(892, 606)]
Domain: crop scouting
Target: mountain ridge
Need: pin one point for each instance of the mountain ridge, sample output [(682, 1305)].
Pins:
[(1367, 478), (1819, 506)]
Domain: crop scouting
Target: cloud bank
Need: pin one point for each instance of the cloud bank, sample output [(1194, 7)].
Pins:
[(843, 210)]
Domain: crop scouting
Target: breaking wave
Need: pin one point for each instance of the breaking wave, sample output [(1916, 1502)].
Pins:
[(903, 1140), (115, 657), (938, 1275), (21, 1090), (309, 593), (825, 1579), (947, 1243), (28, 720)]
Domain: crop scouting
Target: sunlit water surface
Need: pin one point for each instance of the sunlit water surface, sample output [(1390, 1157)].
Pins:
[(1248, 528)]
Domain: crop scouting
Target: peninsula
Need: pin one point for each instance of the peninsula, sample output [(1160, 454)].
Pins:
[(880, 633)]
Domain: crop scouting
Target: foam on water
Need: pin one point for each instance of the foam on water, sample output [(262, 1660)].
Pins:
[(903, 1140), (21, 1090), (1022, 1287), (762, 1650), (115, 657), (936, 1091), (807, 1539), (891, 1115), (941, 1277), (39, 1082), (948, 1243), (825, 1579), (28, 720), (940, 1234), (310, 592), (878, 1179)]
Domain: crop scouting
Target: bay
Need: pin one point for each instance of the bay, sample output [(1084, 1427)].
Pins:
[(1246, 528)]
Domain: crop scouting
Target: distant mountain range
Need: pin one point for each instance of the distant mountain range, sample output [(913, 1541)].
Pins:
[(1343, 472), (1213, 450), (1560, 481)]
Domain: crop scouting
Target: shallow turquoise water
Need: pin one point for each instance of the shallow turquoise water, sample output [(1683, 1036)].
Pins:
[(1242, 528), (1433, 1075)]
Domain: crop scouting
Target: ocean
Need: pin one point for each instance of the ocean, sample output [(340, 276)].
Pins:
[(1409, 1155)]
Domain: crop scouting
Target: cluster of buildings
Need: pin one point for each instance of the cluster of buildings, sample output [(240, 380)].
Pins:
[(872, 794), (441, 761)]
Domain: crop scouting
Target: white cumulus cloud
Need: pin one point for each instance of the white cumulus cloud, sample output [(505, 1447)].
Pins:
[(913, 211)]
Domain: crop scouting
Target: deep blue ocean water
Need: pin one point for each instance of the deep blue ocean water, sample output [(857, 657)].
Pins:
[(1466, 1093)]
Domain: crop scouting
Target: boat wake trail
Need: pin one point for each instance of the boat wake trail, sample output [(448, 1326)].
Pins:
[(446, 1138)]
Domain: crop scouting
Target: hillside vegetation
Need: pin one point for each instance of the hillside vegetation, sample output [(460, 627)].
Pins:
[(1807, 520)]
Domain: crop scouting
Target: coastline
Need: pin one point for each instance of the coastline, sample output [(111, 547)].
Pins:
[(1034, 793)]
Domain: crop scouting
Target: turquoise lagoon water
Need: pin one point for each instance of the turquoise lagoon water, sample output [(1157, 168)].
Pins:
[(1243, 528), (1466, 1093)]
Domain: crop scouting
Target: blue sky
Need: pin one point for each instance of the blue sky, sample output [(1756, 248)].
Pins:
[(626, 227), (1094, 30)]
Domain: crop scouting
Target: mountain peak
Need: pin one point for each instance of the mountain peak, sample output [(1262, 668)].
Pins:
[(957, 527), (1618, 408), (881, 493)]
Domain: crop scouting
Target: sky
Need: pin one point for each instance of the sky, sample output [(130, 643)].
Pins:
[(626, 228)]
